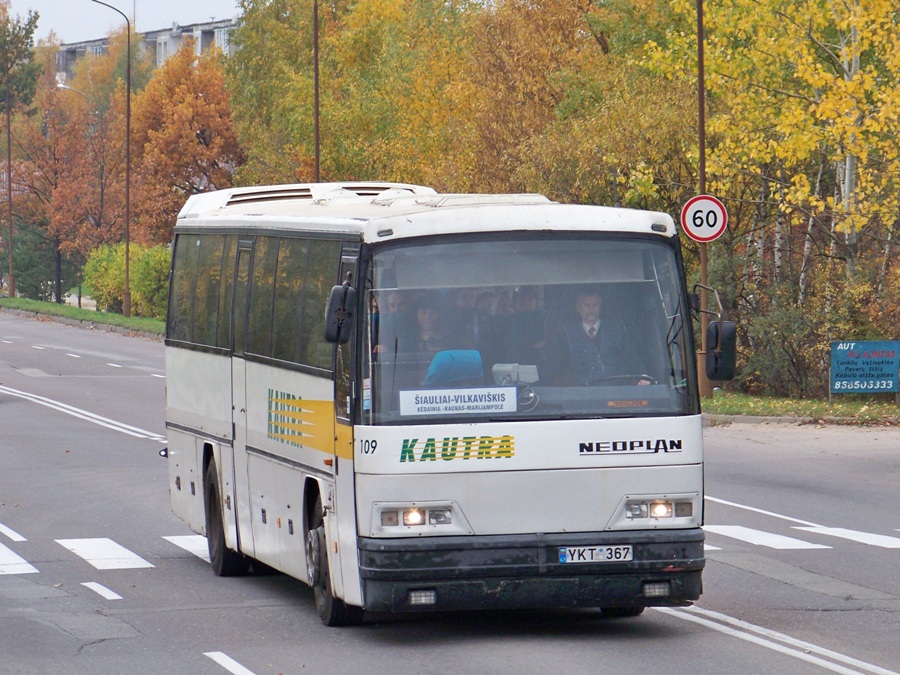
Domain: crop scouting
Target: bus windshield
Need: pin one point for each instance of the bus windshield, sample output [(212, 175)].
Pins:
[(528, 328)]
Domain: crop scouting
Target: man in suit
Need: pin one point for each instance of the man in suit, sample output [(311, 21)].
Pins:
[(589, 347)]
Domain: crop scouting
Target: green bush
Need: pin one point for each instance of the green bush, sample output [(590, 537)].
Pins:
[(150, 282), (104, 273)]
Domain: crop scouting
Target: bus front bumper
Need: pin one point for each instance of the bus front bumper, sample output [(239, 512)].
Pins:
[(524, 571)]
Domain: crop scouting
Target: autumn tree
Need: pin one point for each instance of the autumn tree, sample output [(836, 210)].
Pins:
[(46, 145), (89, 202), (18, 72), (183, 140)]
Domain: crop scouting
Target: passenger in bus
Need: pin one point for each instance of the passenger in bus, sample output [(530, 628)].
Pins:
[(587, 348), (526, 327), (391, 314), (461, 321), (420, 330)]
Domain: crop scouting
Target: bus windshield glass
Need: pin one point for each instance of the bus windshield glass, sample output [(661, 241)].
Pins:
[(528, 328)]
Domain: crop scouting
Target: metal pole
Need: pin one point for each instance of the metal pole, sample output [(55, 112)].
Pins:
[(126, 295), (11, 279), (703, 381), (316, 84)]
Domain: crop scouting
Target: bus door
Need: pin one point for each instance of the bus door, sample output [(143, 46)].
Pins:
[(240, 307), (342, 529)]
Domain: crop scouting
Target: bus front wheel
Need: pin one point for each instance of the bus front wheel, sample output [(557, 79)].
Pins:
[(225, 562), (332, 611)]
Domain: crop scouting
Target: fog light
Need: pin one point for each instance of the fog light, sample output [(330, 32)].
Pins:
[(661, 510), (428, 597), (439, 517), (684, 509), (390, 519), (413, 517), (657, 589)]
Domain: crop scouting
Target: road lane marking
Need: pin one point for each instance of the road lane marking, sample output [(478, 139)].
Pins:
[(10, 533), (192, 543), (770, 639), (101, 590), (760, 538), (74, 356), (853, 535), (37, 347), (84, 415), (104, 554), (12, 563), (114, 365), (228, 663), (708, 547), (765, 513)]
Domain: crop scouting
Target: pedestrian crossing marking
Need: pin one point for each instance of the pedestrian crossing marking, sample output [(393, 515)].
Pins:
[(104, 554), (761, 538), (862, 537), (192, 543), (102, 590), (12, 563), (11, 533)]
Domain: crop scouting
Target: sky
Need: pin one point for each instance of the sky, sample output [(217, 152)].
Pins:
[(77, 20)]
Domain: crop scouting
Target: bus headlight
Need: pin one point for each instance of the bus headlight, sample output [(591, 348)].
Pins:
[(661, 510), (413, 517)]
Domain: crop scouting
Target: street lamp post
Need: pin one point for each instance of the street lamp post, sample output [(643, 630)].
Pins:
[(126, 295)]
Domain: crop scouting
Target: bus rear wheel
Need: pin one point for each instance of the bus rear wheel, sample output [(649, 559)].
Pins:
[(225, 562), (332, 611)]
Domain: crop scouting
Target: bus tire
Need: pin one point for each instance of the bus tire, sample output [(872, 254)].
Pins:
[(332, 611), (225, 562)]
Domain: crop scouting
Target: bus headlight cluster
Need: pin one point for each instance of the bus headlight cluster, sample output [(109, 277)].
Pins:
[(416, 516), (658, 509)]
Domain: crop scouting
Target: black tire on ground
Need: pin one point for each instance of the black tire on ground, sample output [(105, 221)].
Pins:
[(332, 611), (225, 562)]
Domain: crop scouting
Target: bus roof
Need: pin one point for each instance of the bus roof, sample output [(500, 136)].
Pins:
[(383, 211)]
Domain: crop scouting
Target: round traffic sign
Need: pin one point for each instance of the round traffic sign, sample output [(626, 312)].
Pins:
[(704, 218)]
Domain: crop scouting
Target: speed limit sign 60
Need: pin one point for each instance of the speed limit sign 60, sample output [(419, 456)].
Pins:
[(704, 218)]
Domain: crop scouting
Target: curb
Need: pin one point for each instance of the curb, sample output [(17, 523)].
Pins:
[(83, 323)]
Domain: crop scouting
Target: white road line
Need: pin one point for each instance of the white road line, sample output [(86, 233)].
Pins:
[(192, 543), (101, 590), (770, 639), (114, 365), (761, 538), (74, 356), (37, 347), (7, 342), (707, 547), (862, 537), (104, 554), (84, 415), (11, 563), (158, 375), (765, 513), (10, 533), (228, 663)]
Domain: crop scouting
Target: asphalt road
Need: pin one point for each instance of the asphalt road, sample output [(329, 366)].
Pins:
[(97, 575)]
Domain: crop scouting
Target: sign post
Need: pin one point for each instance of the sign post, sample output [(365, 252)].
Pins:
[(704, 219)]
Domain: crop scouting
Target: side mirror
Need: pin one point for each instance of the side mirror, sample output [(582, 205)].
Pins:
[(340, 313), (721, 349)]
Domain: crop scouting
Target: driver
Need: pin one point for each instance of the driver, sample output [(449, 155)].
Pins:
[(591, 346)]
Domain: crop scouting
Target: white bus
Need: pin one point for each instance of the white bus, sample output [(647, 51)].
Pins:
[(390, 394)]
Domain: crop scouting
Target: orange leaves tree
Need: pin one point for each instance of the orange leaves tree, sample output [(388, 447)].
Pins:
[(183, 140), (87, 207)]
